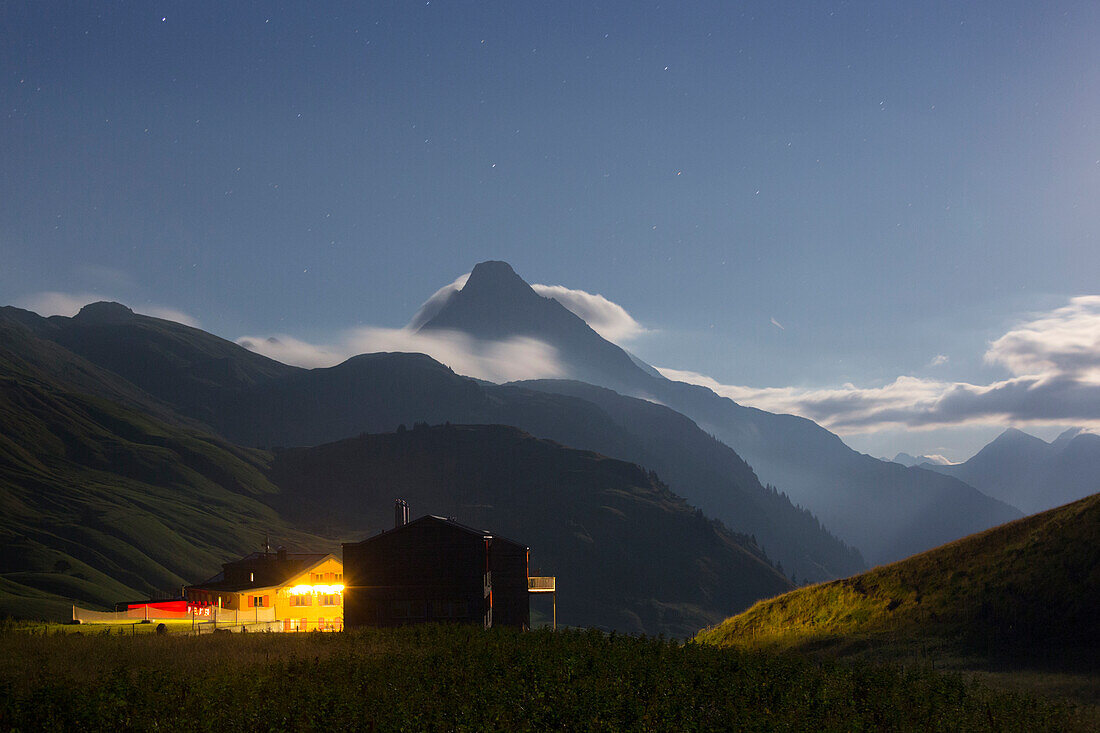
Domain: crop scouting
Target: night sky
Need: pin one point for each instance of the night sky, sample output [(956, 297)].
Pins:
[(792, 198)]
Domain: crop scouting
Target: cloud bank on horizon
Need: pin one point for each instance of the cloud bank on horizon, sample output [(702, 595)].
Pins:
[(496, 361), (52, 303), (1053, 359)]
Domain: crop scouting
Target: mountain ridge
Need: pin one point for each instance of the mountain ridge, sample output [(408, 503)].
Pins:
[(1030, 473), (911, 509)]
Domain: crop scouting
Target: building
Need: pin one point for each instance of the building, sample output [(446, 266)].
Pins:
[(287, 591), (435, 570)]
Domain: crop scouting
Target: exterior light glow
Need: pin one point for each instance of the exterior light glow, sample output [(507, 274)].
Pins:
[(301, 590)]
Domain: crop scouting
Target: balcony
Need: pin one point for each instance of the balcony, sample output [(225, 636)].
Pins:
[(542, 584)]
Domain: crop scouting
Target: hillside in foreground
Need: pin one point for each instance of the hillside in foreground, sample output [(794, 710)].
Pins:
[(1028, 589)]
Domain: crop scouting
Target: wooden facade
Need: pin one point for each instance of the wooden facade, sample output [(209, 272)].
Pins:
[(436, 570)]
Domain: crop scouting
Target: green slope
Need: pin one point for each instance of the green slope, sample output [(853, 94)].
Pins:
[(1031, 586), (99, 503)]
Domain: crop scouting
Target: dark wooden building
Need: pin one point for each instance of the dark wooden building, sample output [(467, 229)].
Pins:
[(434, 569)]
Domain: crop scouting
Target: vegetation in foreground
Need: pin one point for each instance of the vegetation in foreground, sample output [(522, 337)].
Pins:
[(463, 678), (1015, 604)]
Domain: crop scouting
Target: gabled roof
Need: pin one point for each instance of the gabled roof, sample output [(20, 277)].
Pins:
[(446, 521), (266, 569)]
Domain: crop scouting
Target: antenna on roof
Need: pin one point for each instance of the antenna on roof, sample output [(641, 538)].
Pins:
[(267, 545)]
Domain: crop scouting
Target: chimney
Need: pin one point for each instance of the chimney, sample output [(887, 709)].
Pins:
[(400, 513), (280, 554)]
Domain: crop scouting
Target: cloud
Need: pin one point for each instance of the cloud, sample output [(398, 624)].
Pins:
[(606, 318), (1065, 341), (52, 303), (434, 304), (496, 361), (938, 360), (1054, 359), (778, 325), (171, 314), (290, 350)]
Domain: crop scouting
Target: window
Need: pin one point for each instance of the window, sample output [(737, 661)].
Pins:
[(303, 600), (339, 577), (330, 599)]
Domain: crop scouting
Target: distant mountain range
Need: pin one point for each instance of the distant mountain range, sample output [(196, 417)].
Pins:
[(907, 460), (258, 402), (108, 495), (714, 453), (1030, 473), (885, 510)]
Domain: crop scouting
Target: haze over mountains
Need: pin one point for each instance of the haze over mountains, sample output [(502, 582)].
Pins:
[(255, 401), (885, 510), (103, 502), (790, 491), (908, 460), (1030, 473)]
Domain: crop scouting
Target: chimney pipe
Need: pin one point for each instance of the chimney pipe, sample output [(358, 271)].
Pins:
[(400, 513)]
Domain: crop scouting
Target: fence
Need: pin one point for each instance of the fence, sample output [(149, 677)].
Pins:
[(216, 617)]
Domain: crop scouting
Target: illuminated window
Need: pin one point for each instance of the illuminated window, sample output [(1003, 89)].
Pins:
[(332, 599)]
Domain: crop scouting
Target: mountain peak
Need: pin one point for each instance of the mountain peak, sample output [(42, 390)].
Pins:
[(493, 269), (1066, 436), (497, 277), (105, 312), (1014, 435), (495, 303)]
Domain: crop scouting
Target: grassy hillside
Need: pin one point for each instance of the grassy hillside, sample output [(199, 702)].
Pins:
[(1029, 587), (100, 504), (629, 554), (466, 679)]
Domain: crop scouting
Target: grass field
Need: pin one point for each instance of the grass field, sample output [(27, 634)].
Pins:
[(463, 678)]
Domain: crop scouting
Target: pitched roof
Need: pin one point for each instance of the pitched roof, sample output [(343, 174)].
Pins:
[(263, 570), (484, 533)]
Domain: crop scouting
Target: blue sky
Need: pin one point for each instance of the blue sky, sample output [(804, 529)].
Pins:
[(889, 183)]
